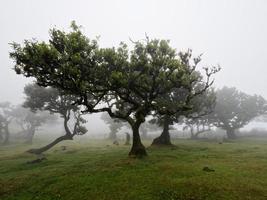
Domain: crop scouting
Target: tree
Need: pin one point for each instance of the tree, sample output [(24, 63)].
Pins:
[(56, 102), (235, 109), (197, 126), (200, 105), (114, 125), (5, 119), (129, 85), (199, 120), (29, 121)]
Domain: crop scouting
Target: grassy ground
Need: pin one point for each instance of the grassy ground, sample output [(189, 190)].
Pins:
[(96, 171)]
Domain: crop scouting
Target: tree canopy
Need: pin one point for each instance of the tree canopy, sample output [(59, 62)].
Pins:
[(201, 105), (235, 109), (56, 102), (127, 83)]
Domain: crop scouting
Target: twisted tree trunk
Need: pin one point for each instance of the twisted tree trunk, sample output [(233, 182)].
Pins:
[(49, 146), (164, 138), (138, 149), (67, 136)]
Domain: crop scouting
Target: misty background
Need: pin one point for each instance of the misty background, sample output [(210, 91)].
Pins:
[(232, 34)]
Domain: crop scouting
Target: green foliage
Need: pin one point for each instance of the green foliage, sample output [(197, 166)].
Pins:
[(56, 102), (129, 84), (135, 79), (49, 99)]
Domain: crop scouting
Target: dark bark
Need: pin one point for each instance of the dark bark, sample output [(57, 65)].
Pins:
[(231, 133), (164, 138), (138, 149), (49, 146), (67, 136)]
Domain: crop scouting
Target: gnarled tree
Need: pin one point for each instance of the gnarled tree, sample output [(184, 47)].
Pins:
[(129, 85), (235, 109), (56, 102), (201, 104), (197, 126), (199, 120)]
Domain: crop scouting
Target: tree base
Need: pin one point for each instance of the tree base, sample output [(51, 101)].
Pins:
[(161, 141), (35, 151), (138, 151), (49, 146), (40, 158)]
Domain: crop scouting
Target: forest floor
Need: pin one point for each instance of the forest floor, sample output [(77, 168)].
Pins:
[(96, 170)]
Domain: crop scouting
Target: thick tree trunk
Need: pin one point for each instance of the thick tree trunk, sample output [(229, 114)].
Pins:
[(49, 146), (67, 136), (164, 138), (231, 133), (138, 149)]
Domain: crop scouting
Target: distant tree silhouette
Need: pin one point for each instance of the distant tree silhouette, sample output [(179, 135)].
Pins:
[(235, 109), (56, 102)]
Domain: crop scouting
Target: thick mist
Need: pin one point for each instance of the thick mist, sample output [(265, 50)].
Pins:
[(231, 34)]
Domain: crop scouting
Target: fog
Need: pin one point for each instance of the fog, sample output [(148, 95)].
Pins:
[(137, 121), (229, 33)]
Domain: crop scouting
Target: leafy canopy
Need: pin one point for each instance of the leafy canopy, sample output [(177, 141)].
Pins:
[(128, 84)]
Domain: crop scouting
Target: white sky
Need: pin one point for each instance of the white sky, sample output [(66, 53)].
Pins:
[(230, 33)]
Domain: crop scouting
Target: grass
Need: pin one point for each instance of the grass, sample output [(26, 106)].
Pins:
[(96, 171)]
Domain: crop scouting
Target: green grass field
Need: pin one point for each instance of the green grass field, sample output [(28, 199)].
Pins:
[(96, 171)]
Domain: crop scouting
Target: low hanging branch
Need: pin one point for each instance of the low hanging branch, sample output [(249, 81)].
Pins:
[(78, 130), (128, 83), (49, 99)]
